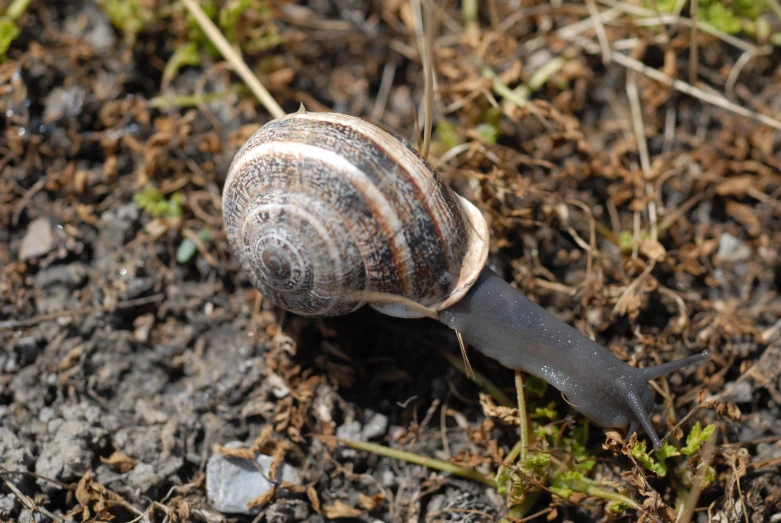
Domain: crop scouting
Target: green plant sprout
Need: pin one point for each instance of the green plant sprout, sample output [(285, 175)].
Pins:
[(187, 248), (129, 16), (154, 202), (729, 17), (187, 54), (9, 30)]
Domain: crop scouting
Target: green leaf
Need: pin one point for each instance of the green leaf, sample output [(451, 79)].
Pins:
[(186, 55), (547, 412), (722, 18), (185, 251), (696, 438), (448, 136), (489, 132), (8, 33), (129, 16), (708, 477), (229, 17), (538, 460), (617, 507), (564, 492), (659, 466), (576, 447)]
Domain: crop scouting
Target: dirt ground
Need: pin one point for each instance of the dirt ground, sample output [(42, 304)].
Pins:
[(133, 348)]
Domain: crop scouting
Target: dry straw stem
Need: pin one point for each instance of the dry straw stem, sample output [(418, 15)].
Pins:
[(29, 322), (234, 58), (573, 33), (708, 453), (416, 459)]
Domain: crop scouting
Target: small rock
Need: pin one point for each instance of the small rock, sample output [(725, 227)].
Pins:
[(68, 455), (277, 385), (13, 455), (375, 427), (70, 276), (93, 26), (32, 517), (231, 483), (64, 103), (28, 350), (351, 431), (388, 478), (8, 505), (739, 392), (38, 240), (732, 249)]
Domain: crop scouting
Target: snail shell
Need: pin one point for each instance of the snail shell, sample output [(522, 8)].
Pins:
[(320, 207)]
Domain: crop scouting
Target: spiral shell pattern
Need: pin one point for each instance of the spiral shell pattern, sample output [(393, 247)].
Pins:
[(319, 207)]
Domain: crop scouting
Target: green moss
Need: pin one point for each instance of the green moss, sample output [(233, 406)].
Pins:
[(728, 16), (154, 202), (447, 134), (129, 16), (548, 412)]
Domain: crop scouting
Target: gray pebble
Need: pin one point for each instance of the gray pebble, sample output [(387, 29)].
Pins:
[(67, 456), (351, 431), (8, 504), (375, 427), (71, 275), (732, 248), (232, 483), (738, 392), (13, 455), (38, 240), (25, 516), (96, 31)]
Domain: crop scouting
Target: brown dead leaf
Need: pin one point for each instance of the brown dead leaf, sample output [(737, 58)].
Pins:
[(72, 357), (737, 186), (311, 493), (613, 442), (95, 499), (120, 462), (180, 510), (653, 250), (264, 498), (235, 453), (370, 503), (505, 414), (340, 510), (745, 215)]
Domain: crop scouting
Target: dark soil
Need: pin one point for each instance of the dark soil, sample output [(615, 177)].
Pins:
[(122, 368)]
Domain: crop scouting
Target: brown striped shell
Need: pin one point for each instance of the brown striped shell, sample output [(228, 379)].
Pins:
[(319, 207)]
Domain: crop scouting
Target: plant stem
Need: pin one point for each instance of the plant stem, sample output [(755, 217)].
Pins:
[(417, 459), (521, 509), (590, 488), (522, 421)]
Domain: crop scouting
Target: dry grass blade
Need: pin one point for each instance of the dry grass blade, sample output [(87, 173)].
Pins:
[(232, 56), (708, 97)]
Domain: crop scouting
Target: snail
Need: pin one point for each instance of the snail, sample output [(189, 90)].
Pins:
[(327, 213)]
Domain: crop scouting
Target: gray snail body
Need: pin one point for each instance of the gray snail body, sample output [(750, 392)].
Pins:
[(327, 212)]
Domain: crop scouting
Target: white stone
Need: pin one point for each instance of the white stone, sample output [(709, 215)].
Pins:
[(231, 483)]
